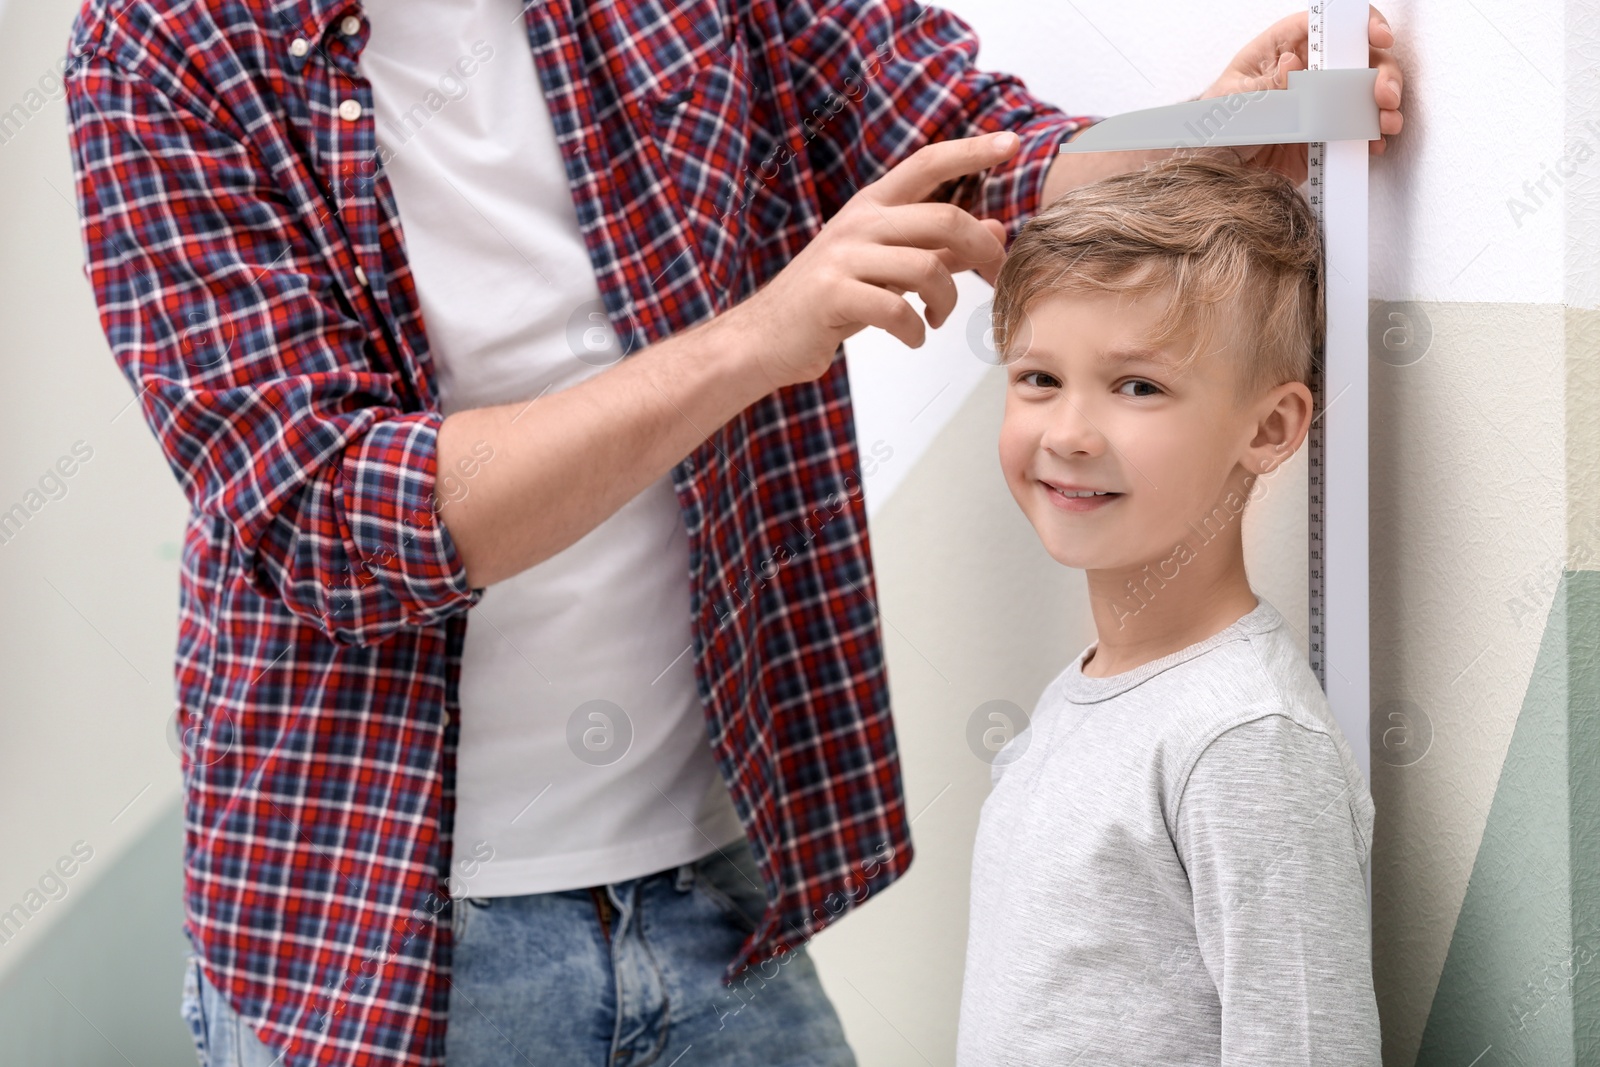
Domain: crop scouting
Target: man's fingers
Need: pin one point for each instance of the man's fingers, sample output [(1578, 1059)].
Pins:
[(1390, 83), (989, 270), (1279, 78), (911, 269), (902, 242), (1379, 32), (915, 178), (872, 305), (1292, 33), (934, 226)]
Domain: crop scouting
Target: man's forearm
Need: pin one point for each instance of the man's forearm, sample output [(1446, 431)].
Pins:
[(566, 461)]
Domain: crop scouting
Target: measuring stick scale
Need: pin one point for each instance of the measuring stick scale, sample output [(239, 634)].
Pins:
[(1340, 635), (1316, 159)]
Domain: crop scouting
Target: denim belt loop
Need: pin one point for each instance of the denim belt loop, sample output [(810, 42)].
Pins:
[(685, 877)]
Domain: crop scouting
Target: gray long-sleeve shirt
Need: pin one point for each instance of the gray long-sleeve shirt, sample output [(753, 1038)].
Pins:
[(1170, 870)]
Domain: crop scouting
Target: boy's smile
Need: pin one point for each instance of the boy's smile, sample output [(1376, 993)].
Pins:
[(1077, 498)]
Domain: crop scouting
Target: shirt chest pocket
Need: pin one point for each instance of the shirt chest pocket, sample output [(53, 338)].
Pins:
[(714, 158)]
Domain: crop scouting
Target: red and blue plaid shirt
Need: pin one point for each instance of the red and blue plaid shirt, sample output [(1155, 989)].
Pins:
[(246, 258)]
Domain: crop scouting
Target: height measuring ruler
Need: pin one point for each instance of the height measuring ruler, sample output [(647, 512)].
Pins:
[(1329, 107), (1316, 167), (1339, 634)]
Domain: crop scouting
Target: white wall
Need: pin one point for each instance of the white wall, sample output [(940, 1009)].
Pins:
[(88, 588)]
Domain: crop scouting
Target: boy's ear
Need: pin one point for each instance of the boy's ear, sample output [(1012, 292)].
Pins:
[(1283, 418)]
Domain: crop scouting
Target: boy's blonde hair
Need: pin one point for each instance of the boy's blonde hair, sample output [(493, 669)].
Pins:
[(1238, 245)]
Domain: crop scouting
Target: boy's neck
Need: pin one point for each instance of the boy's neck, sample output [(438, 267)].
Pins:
[(1153, 609)]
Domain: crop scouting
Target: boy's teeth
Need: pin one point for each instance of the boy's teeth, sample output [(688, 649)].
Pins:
[(1086, 492)]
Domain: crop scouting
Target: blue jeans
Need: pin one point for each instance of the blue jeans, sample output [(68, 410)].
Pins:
[(621, 975)]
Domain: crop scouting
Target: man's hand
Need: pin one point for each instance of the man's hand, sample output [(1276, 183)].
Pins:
[(886, 240), (1265, 63)]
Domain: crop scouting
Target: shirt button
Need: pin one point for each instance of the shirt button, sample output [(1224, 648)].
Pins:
[(350, 110), (299, 47), (350, 26), (361, 275)]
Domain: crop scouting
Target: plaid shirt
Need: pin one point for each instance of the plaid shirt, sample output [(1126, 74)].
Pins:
[(245, 255)]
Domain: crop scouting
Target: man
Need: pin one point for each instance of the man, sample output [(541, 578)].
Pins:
[(622, 443)]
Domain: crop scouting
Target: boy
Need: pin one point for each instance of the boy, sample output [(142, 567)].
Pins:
[(1171, 866)]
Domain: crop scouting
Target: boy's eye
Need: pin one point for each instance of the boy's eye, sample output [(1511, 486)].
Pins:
[(1045, 380)]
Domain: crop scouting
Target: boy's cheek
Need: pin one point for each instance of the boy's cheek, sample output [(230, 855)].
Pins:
[(1017, 481), (1017, 444)]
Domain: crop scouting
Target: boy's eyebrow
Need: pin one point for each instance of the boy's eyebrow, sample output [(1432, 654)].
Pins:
[(1122, 354), (1135, 354)]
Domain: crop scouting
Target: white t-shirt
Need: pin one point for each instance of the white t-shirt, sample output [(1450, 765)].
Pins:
[(583, 755)]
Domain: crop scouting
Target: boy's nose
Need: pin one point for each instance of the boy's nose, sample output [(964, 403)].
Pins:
[(1072, 430)]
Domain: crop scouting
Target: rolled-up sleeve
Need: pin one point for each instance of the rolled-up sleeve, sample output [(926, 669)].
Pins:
[(259, 383), (878, 79)]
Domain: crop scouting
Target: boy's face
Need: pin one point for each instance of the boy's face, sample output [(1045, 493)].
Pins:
[(1168, 444)]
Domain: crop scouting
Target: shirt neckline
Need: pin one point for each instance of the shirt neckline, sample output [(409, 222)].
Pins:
[(1081, 688)]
